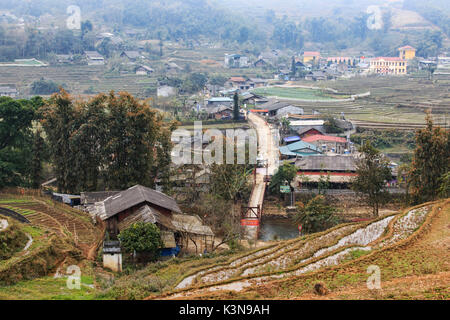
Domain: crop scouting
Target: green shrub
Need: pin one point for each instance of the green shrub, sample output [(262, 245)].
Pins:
[(141, 237)]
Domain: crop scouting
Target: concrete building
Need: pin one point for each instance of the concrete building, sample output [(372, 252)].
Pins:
[(388, 66), (407, 52)]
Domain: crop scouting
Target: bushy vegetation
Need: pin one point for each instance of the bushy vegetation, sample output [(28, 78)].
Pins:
[(316, 215), (12, 240), (141, 237)]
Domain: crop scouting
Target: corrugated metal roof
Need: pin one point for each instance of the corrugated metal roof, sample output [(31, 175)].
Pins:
[(291, 139)]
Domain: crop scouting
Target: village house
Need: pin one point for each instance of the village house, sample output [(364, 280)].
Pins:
[(251, 98), (280, 109), (299, 149), (143, 70), (235, 61), (141, 204), (7, 91), (339, 170), (220, 112), (328, 143), (316, 76), (64, 58), (258, 83), (132, 56), (94, 58), (307, 131), (262, 63), (216, 101), (240, 83)]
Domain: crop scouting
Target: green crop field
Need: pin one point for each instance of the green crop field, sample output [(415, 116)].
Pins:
[(295, 93)]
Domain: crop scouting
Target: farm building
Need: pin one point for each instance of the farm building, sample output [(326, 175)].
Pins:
[(328, 143), (340, 169), (94, 58), (142, 204), (299, 149), (279, 109), (220, 112), (130, 55)]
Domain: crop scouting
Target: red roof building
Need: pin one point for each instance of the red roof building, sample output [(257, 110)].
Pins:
[(327, 143)]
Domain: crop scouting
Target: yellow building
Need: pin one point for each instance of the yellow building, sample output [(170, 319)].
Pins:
[(388, 65), (407, 52), (311, 56)]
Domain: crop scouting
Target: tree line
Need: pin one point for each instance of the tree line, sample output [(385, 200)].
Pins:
[(109, 142)]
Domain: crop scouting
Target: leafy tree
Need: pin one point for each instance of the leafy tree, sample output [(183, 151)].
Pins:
[(430, 162), (141, 237), (16, 139), (316, 215), (287, 172), (230, 181), (58, 117), (114, 138), (372, 174)]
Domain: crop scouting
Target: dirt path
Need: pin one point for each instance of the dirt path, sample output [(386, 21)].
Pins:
[(267, 149)]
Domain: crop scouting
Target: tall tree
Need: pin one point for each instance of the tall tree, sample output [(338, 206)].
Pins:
[(373, 172), (236, 106), (430, 162), (58, 117)]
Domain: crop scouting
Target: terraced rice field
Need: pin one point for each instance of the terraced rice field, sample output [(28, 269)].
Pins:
[(56, 218), (306, 255), (77, 79)]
